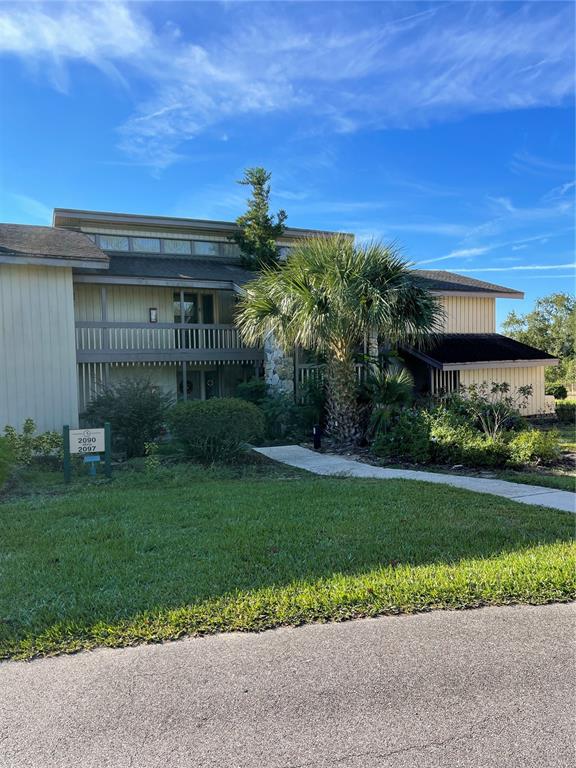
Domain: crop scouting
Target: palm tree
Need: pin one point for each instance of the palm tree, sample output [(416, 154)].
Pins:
[(331, 295)]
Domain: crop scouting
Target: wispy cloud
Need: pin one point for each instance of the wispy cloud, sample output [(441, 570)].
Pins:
[(519, 268), (459, 253), (364, 66), (33, 210), (525, 162)]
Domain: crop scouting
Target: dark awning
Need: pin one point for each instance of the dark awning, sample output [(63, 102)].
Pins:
[(149, 267), (452, 351)]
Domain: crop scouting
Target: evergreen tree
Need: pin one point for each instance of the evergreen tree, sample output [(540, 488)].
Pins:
[(258, 229)]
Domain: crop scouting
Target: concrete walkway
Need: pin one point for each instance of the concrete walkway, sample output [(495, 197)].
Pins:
[(330, 464)]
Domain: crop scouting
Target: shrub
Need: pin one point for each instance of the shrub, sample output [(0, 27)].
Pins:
[(7, 460), (558, 390), (136, 411), (389, 389), (286, 420), (253, 391), (534, 446), (216, 429), (454, 441), (27, 445), (406, 438), (492, 408), (566, 411)]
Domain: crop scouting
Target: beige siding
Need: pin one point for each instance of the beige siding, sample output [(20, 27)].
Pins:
[(163, 376), (130, 303), (469, 314), (37, 347), (516, 377)]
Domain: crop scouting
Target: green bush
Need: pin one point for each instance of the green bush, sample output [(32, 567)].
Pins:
[(558, 390), (216, 429), (534, 446), (253, 391), (27, 445), (566, 411), (407, 438), (7, 460), (453, 441), (136, 411), (284, 418)]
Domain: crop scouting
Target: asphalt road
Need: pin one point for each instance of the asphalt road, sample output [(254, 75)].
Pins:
[(492, 687)]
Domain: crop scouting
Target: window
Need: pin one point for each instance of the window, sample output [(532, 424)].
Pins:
[(114, 243), (284, 251), (177, 247), (146, 244), (204, 248), (191, 307), (207, 308), (230, 250)]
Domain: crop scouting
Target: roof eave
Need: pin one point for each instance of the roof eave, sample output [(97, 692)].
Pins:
[(31, 259)]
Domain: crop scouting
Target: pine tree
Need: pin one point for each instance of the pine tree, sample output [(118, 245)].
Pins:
[(258, 229)]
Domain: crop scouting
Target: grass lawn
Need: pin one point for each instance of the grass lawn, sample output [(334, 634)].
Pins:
[(152, 558), (561, 480)]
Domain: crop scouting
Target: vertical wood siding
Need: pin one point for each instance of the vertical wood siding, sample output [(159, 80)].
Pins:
[(516, 377), (37, 347), (469, 314), (130, 303)]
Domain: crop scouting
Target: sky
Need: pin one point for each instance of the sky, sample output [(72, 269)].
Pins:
[(446, 128)]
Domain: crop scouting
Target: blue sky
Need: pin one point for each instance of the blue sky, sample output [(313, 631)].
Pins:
[(446, 127)]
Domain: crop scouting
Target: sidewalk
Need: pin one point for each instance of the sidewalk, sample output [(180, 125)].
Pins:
[(330, 464)]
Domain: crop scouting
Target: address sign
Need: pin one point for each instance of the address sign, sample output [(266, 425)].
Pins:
[(87, 441)]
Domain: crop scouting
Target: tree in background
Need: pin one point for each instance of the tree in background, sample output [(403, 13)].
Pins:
[(551, 326), (328, 297), (259, 230)]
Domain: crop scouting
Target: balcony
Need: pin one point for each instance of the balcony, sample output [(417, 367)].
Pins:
[(104, 342)]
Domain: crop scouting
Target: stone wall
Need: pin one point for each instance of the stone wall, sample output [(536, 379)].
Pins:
[(278, 368)]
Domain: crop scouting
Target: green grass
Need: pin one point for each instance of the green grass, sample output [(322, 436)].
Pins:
[(560, 480), (148, 559)]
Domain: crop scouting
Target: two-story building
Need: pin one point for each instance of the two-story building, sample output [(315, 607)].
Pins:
[(103, 296)]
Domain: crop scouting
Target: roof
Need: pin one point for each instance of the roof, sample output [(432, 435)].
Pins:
[(26, 244), (440, 281), (73, 217), (463, 348), (169, 268)]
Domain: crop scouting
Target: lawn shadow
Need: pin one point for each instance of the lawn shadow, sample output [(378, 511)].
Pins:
[(112, 553)]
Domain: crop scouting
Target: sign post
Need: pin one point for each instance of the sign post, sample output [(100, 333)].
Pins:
[(88, 443)]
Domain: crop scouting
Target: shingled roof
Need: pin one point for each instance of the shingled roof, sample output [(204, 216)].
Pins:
[(465, 348), (26, 244), (451, 282)]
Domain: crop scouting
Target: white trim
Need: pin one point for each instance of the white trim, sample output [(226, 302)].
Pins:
[(487, 294), (54, 261)]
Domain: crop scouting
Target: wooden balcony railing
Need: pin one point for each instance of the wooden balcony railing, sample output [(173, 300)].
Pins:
[(110, 342)]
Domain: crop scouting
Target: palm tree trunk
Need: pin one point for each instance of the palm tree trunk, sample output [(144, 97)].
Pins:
[(343, 422)]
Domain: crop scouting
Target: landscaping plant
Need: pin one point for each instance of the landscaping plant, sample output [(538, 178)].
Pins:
[(329, 296), (216, 429), (7, 460), (566, 411), (406, 437), (136, 411), (389, 387), (27, 445), (534, 446)]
